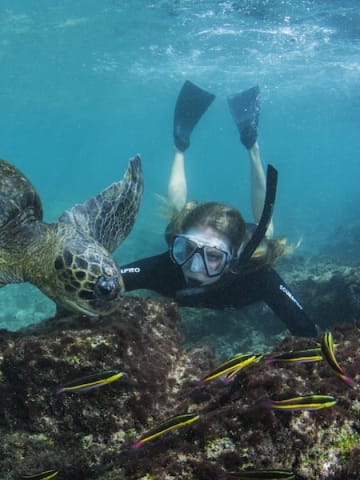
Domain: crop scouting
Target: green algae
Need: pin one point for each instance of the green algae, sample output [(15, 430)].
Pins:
[(345, 442)]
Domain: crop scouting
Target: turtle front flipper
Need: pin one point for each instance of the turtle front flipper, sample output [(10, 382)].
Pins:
[(109, 216)]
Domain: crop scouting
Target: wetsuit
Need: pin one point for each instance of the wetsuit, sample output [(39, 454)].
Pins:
[(161, 274)]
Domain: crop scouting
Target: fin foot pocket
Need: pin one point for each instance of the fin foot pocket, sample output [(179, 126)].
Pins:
[(245, 109)]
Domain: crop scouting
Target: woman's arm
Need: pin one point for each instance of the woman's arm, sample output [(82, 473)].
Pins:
[(284, 303), (245, 109), (157, 273), (258, 186), (191, 104), (177, 187)]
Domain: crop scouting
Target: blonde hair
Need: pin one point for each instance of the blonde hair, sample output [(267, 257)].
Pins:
[(219, 216), (267, 252), (228, 221)]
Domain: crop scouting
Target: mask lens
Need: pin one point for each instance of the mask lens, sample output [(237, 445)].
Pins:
[(197, 264), (182, 249), (215, 260)]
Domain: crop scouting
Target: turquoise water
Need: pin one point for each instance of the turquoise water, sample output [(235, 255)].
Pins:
[(86, 84)]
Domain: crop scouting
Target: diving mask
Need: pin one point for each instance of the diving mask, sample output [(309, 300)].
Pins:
[(210, 259)]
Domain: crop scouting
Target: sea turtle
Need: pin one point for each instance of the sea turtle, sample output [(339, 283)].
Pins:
[(70, 260)]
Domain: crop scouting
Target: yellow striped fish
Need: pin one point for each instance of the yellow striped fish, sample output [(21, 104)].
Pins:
[(234, 364), (229, 377), (96, 380), (306, 402), (171, 423), (328, 351), (46, 475), (262, 475), (297, 356)]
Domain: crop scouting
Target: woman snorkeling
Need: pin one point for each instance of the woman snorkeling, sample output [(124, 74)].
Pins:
[(215, 259)]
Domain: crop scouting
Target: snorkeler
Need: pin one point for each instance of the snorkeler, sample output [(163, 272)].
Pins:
[(215, 259)]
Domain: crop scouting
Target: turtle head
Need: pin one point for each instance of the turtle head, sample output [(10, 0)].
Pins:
[(87, 278)]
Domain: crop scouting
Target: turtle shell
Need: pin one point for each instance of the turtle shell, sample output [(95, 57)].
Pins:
[(19, 201)]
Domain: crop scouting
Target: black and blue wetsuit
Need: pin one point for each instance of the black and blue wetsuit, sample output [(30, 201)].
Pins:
[(161, 274)]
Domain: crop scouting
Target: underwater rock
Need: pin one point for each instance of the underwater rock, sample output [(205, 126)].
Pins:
[(328, 289), (82, 434), (90, 435)]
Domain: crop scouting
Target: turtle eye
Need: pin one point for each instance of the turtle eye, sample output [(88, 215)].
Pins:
[(107, 287)]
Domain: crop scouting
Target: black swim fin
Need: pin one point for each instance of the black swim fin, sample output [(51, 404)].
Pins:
[(191, 104), (245, 109)]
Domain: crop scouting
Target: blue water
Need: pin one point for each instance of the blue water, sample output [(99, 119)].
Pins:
[(86, 84)]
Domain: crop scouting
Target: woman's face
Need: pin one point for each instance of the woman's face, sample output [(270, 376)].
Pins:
[(213, 258)]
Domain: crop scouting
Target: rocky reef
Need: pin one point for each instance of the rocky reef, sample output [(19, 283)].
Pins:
[(90, 435)]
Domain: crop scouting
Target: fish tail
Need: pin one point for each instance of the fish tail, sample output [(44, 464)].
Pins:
[(228, 378), (346, 379), (269, 360), (137, 444)]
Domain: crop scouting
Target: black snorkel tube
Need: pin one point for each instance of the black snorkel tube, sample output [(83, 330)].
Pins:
[(265, 219), (253, 243)]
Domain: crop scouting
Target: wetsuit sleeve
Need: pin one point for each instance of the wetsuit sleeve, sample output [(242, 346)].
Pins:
[(287, 307), (156, 273)]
